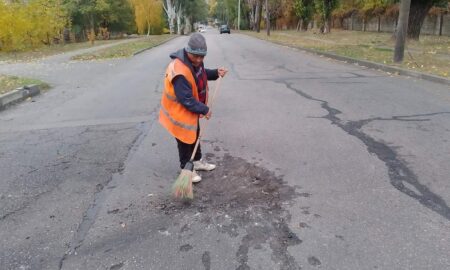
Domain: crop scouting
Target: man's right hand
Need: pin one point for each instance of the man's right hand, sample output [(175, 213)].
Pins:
[(208, 115), (222, 71)]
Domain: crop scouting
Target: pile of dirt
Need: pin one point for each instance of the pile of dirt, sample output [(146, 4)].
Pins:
[(239, 196)]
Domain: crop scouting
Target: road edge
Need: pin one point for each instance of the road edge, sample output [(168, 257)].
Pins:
[(377, 66), (146, 49), (19, 94)]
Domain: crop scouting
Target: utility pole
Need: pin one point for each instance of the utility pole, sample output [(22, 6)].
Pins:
[(239, 15), (402, 27)]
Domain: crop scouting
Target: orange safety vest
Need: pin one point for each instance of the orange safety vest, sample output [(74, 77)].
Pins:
[(180, 122)]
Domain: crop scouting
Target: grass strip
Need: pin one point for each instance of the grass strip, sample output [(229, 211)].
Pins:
[(431, 54), (49, 51), (10, 83), (124, 50)]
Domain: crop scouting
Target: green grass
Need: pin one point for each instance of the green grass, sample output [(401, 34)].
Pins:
[(124, 50), (9, 83), (431, 54), (49, 51)]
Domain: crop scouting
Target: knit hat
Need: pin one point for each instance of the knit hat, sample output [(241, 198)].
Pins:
[(197, 44)]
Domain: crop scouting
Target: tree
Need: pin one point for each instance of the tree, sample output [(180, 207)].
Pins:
[(304, 9), (324, 9), (273, 10), (169, 8), (226, 11), (194, 11), (218, 10), (258, 15), (90, 15), (119, 16), (347, 9), (418, 11), (401, 30), (148, 16), (27, 25), (267, 18)]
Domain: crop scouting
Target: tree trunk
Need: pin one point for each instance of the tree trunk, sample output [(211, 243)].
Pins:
[(179, 22), (418, 11), (353, 22), (394, 31), (251, 16), (239, 15), (92, 33), (329, 24), (267, 18), (305, 24), (187, 25), (341, 21), (169, 8), (401, 31), (379, 24), (258, 15), (441, 23)]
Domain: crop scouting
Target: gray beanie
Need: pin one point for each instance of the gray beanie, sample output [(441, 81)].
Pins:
[(197, 44)]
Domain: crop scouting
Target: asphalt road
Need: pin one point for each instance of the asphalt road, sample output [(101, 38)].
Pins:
[(322, 165)]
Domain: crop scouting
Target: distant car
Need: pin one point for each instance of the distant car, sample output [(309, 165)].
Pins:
[(202, 30), (224, 29)]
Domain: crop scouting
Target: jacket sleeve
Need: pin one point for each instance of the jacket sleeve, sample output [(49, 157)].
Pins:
[(183, 92), (212, 74)]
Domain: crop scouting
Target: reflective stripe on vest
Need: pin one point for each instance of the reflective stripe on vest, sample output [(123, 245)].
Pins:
[(173, 116), (176, 123), (170, 97)]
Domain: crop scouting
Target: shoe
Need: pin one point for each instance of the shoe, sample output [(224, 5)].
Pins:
[(202, 165), (195, 177)]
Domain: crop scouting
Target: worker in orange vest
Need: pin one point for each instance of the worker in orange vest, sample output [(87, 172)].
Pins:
[(185, 99)]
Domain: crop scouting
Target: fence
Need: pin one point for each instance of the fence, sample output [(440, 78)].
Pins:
[(432, 25)]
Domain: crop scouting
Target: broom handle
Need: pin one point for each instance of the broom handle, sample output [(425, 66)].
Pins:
[(210, 106)]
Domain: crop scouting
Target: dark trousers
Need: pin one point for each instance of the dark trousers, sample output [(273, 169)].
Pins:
[(185, 151)]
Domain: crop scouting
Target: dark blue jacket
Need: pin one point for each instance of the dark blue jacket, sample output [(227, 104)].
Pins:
[(183, 90)]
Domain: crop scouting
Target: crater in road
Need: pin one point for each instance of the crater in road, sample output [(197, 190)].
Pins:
[(242, 197)]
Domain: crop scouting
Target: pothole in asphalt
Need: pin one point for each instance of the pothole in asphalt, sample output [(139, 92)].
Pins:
[(243, 199)]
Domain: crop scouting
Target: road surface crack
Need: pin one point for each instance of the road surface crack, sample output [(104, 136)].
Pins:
[(398, 171), (100, 195)]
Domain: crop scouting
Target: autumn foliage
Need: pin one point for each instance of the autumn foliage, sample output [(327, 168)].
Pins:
[(30, 24), (148, 16)]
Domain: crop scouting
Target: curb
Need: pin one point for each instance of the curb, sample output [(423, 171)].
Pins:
[(373, 65), (145, 49), (18, 95)]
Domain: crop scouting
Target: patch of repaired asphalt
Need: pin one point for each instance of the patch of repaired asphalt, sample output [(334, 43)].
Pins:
[(240, 196)]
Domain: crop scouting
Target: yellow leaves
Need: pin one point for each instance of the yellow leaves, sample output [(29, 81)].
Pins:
[(148, 14), (30, 24)]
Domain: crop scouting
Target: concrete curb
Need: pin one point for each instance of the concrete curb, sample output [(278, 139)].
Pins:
[(373, 65), (145, 49), (18, 95)]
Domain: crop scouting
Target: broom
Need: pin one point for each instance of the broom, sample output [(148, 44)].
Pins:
[(182, 188)]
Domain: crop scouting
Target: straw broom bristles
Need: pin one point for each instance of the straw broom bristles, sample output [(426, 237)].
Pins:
[(182, 188)]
